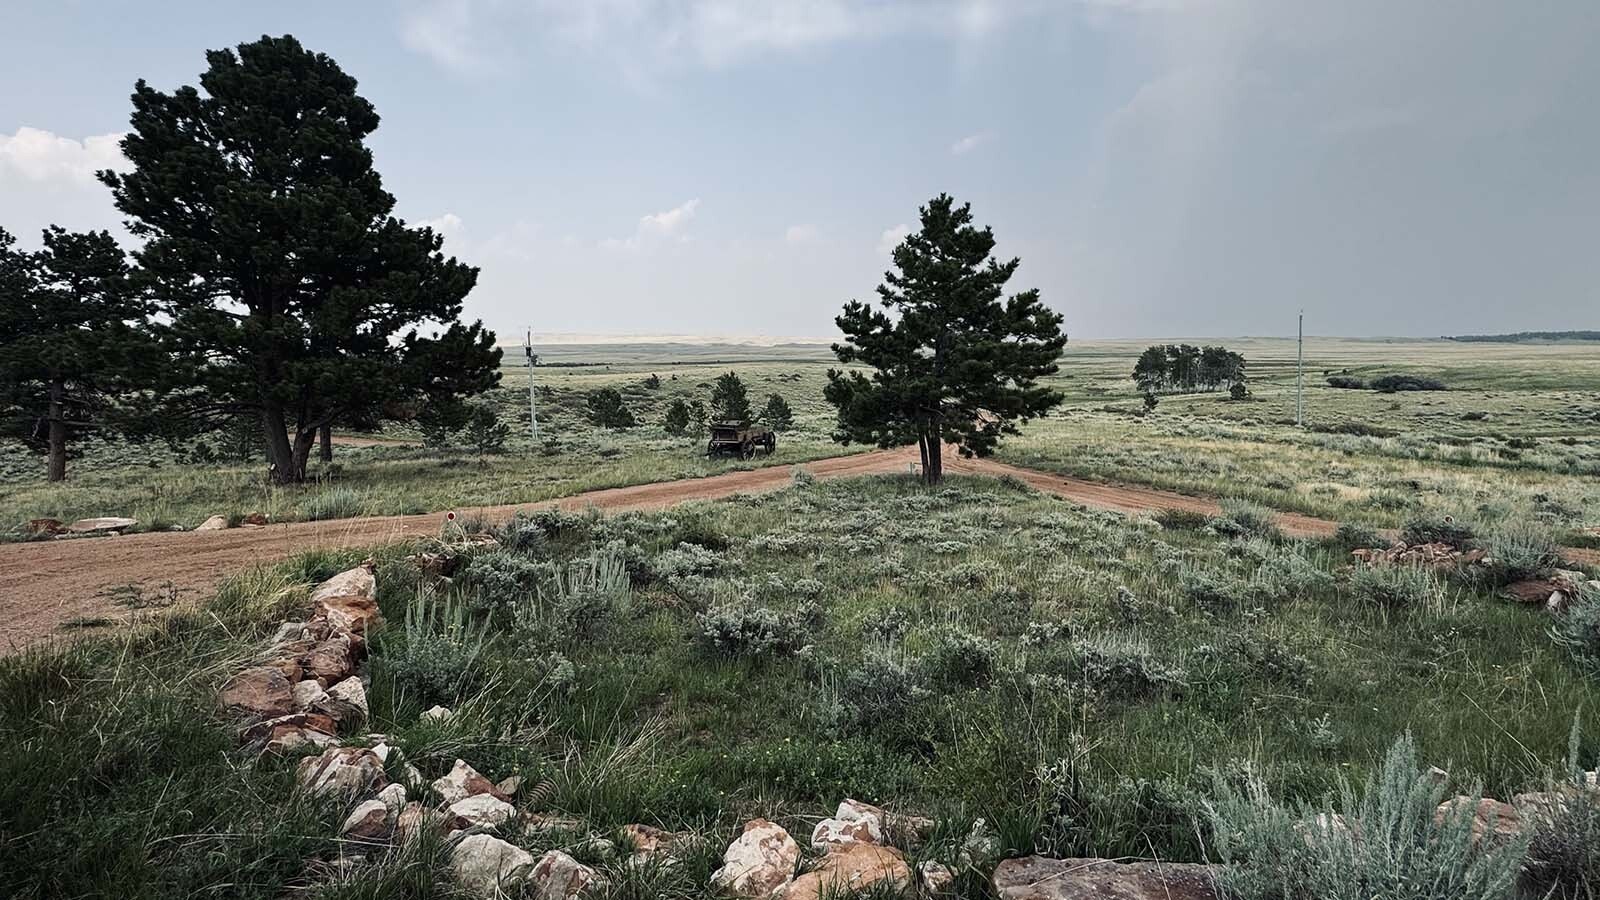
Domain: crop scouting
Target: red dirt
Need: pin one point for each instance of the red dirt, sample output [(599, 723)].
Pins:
[(45, 584)]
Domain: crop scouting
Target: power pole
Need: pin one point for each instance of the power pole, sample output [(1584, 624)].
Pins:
[(1300, 374), (533, 411)]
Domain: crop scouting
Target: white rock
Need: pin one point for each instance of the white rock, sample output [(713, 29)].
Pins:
[(483, 809), (101, 524), (393, 797), (370, 821), (462, 781), (853, 822), (437, 714), (936, 877), (215, 523), (345, 702), (381, 751), (759, 863), (307, 694), (488, 866), (342, 769), (557, 876)]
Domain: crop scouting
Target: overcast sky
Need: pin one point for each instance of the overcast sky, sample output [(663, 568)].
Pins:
[(1163, 167)]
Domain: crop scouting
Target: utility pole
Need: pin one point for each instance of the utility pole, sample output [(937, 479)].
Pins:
[(533, 411), (1300, 374)]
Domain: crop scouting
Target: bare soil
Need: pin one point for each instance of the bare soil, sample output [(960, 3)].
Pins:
[(84, 583)]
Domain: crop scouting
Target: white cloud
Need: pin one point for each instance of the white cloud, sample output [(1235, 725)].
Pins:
[(800, 234), (39, 155), (657, 227), (971, 142), (892, 237), (467, 35), (449, 225)]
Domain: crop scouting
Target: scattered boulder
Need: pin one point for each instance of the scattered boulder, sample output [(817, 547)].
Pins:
[(413, 818), (936, 878), (542, 824), (1437, 556), (394, 797), (348, 600), (343, 770), (557, 876), (292, 732), (481, 810), (437, 714), (308, 694), (215, 523), (758, 863), (853, 822), (509, 785), (1040, 878), (489, 866), (371, 822), (463, 781), (1544, 592), (850, 869), (102, 525), (646, 841), (1492, 820), (263, 692), (345, 702)]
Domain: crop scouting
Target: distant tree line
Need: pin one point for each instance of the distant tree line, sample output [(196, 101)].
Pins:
[(274, 283), (1520, 336), (1184, 367), (729, 402)]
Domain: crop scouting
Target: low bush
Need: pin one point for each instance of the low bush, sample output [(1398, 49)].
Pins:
[(434, 658), (1348, 382), (1384, 842), (751, 631), (1519, 551), (336, 503), (1390, 384), (1441, 530), (1578, 630), (1122, 669), (960, 660), (1397, 587), (1564, 852), (1359, 429), (1241, 518), (878, 693), (1354, 536)]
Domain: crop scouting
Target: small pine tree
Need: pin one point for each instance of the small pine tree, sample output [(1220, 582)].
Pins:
[(676, 422), (1150, 401), (485, 433), (440, 420), (607, 410), (652, 381), (730, 402), (1238, 391), (778, 416), (697, 418)]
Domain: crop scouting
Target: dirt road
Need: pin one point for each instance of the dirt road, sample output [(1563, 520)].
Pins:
[(47, 583)]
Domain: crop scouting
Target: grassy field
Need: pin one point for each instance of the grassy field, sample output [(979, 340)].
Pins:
[(1084, 683)]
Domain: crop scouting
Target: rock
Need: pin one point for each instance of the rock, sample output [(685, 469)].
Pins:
[(463, 781), (643, 840), (852, 823), (254, 520), (370, 821), (758, 863), (1322, 825), (849, 869), (437, 714), (277, 731), (215, 523), (308, 694), (262, 692), (1039, 878), (414, 818), (348, 600), (345, 702), (1491, 820), (557, 876), (101, 525), (488, 866), (333, 660), (343, 770), (510, 785), (542, 824), (936, 878), (43, 528), (980, 846), (1541, 591), (481, 809), (394, 797)]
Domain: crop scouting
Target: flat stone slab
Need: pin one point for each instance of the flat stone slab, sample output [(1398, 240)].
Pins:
[(1041, 878)]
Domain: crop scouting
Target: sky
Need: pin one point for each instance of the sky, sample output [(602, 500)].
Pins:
[(1164, 168)]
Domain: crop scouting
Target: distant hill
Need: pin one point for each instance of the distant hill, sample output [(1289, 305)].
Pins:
[(1527, 336)]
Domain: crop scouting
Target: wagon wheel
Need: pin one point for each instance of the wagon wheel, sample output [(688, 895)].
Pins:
[(747, 449), (772, 443)]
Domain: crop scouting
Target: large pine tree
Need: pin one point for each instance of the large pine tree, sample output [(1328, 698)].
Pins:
[(954, 359), (290, 290)]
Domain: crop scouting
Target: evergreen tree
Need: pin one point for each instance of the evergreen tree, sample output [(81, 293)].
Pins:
[(956, 361), (607, 410), (729, 400), (289, 290), (485, 433), (72, 339), (1150, 372), (777, 415), (698, 418), (676, 421)]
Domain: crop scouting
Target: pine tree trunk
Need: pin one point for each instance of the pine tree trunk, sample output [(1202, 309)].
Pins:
[(325, 438), (280, 455), (934, 472), (922, 447), (304, 440), (58, 431)]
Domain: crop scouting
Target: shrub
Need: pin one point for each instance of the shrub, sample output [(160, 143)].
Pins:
[(730, 402), (1389, 384), (1150, 401), (1519, 551), (1353, 535), (338, 503), (501, 577), (879, 692), (752, 631), (1122, 669), (676, 422), (1359, 429), (886, 626), (1241, 518), (1397, 587), (777, 415), (1578, 629), (1564, 853), (1238, 391), (485, 433), (1445, 530), (589, 592), (434, 659), (1386, 843), (522, 533), (959, 659), (1348, 382), (606, 409)]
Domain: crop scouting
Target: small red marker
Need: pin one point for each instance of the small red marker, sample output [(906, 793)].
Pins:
[(450, 516)]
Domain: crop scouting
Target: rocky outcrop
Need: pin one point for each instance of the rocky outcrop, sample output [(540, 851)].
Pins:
[(1039, 878), (263, 692), (758, 863), (354, 770), (1439, 556), (488, 866)]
